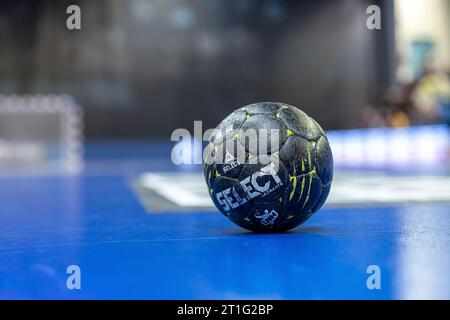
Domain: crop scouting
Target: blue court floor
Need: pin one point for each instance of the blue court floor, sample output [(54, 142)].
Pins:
[(95, 221)]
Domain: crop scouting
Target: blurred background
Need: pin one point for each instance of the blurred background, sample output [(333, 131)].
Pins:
[(86, 177), (142, 68)]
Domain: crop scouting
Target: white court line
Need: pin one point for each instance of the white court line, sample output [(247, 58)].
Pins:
[(189, 189)]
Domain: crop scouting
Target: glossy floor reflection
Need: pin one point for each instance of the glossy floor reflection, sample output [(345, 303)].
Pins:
[(96, 222)]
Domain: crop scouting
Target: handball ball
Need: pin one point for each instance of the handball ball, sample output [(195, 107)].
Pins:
[(268, 167)]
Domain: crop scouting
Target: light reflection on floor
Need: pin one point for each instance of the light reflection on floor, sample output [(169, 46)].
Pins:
[(424, 261)]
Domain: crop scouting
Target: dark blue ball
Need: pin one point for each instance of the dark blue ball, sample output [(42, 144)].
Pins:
[(268, 167)]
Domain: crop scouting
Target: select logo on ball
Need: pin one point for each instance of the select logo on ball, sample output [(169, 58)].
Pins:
[(230, 199)]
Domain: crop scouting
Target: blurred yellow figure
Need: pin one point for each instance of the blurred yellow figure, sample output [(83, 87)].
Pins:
[(432, 95), (398, 118)]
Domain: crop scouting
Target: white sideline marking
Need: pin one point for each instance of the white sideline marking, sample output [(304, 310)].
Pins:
[(185, 190), (189, 189)]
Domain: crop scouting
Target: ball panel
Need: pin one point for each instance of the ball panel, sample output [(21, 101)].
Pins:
[(209, 164), (262, 108), (299, 123), (258, 138), (295, 192), (313, 193), (303, 193), (294, 220), (209, 173), (322, 133), (324, 160), (298, 155), (323, 197), (230, 157), (229, 126)]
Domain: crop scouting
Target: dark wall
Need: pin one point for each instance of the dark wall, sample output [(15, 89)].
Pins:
[(142, 68)]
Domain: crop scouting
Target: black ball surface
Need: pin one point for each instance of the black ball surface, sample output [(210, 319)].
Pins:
[(268, 167)]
